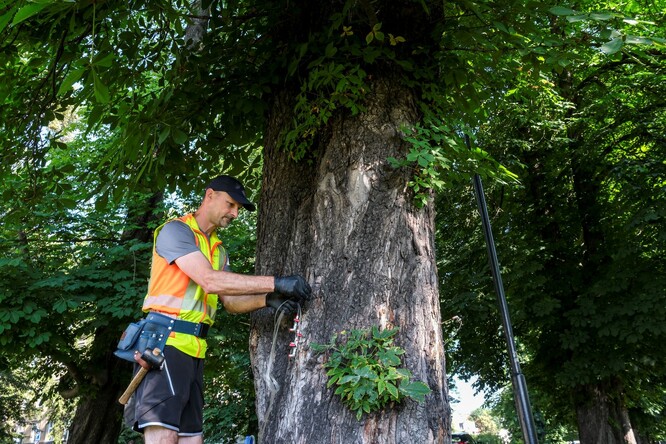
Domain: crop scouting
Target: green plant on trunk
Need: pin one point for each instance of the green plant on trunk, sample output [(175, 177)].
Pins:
[(365, 369)]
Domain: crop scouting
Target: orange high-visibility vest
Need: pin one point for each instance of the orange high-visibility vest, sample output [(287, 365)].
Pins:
[(172, 292)]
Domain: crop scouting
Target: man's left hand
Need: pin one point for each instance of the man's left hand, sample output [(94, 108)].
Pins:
[(295, 286)]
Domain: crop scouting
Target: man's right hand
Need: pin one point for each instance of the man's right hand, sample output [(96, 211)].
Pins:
[(281, 303), (293, 286)]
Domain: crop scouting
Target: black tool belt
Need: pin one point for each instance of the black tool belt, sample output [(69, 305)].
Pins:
[(200, 330), (153, 332)]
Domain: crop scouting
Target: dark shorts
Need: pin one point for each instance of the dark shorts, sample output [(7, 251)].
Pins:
[(172, 397)]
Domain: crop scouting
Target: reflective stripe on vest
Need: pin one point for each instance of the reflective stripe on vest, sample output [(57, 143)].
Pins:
[(172, 292)]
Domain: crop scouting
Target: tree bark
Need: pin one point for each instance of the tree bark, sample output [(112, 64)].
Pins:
[(98, 417), (603, 419), (345, 220)]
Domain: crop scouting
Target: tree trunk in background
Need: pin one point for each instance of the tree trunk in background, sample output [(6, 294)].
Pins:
[(601, 419), (98, 417), (346, 222)]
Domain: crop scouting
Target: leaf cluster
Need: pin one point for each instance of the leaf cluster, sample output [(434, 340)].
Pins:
[(439, 159), (364, 368), (337, 66)]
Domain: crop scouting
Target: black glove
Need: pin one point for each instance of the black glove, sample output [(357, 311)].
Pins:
[(293, 286), (282, 303)]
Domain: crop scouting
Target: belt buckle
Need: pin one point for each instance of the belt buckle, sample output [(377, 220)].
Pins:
[(202, 330)]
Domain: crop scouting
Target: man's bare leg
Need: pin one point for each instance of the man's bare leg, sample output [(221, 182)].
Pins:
[(161, 435)]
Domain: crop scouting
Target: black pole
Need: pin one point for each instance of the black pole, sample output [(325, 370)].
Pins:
[(521, 396)]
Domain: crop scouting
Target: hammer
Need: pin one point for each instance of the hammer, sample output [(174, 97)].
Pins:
[(147, 361)]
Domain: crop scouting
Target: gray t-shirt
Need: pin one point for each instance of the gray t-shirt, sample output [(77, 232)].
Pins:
[(175, 240)]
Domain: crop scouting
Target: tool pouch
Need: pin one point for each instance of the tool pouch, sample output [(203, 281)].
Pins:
[(139, 336)]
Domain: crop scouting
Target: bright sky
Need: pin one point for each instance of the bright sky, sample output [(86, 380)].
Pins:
[(468, 400)]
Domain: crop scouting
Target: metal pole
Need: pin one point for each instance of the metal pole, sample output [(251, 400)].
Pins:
[(521, 396)]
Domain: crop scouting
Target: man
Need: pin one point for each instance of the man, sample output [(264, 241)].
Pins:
[(189, 273)]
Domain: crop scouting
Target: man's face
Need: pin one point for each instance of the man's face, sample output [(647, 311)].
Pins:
[(224, 209)]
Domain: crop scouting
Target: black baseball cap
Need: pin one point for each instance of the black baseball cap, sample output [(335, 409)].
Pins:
[(234, 188)]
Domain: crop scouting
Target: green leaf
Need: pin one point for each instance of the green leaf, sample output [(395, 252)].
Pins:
[(95, 116), (37, 316), (383, 334), (60, 306), (353, 379), (561, 10), (415, 390), (104, 60), (330, 50), (15, 316), (101, 91), (332, 381), (392, 389), (359, 392), (44, 337), (68, 203), (178, 136), (4, 19), (28, 11), (404, 373), (365, 372), (613, 46), (413, 155), (601, 16), (500, 26), (388, 357), (381, 386), (163, 134), (638, 40), (577, 18), (302, 49)]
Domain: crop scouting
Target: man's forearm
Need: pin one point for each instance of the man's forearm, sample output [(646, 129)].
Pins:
[(220, 282), (233, 284), (244, 303)]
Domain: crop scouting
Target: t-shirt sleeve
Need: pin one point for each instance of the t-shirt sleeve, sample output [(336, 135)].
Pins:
[(175, 240)]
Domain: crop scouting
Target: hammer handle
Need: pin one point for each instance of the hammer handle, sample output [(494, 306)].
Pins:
[(133, 385)]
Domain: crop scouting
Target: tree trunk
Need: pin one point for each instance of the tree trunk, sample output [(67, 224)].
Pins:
[(345, 220), (98, 417), (602, 419)]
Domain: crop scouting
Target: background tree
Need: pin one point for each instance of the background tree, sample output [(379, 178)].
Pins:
[(484, 421), (549, 425), (579, 244), (12, 401)]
